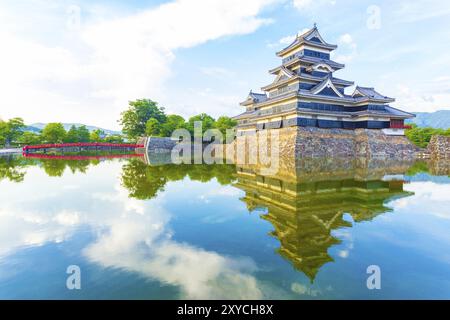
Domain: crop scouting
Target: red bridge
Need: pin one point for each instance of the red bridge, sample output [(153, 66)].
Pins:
[(62, 157), (79, 146)]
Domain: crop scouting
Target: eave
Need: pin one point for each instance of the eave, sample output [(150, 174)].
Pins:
[(311, 61)]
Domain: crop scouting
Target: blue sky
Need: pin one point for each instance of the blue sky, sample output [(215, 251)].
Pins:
[(81, 61)]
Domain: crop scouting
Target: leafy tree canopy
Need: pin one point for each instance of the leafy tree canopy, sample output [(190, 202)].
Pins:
[(134, 119), (206, 120), (53, 133), (422, 136), (11, 130)]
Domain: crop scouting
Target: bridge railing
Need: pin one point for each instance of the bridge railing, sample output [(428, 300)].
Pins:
[(81, 144)]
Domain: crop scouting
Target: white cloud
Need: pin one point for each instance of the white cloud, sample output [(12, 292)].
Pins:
[(429, 198), (347, 40), (347, 45), (310, 5), (302, 289), (217, 72), (287, 40), (192, 101), (89, 76), (419, 10), (421, 101), (343, 253), (301, 4)]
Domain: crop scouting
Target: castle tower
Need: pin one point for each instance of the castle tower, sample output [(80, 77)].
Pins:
[(306, 93)]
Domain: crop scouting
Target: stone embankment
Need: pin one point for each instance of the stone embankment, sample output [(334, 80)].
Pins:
[(10, 151), (296, 143), (439, 147), (156, 144), (309, 142), (317, 142)]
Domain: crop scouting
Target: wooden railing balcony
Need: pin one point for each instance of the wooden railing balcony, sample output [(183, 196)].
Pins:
[(399, 126)]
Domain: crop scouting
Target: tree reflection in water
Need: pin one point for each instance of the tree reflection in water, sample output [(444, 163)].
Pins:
[(145, 181)]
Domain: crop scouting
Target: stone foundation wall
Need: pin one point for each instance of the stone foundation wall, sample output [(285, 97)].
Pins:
[(310, 142), (370, 143), (376, 144), (316, 142), (439, 147), (160, 145)]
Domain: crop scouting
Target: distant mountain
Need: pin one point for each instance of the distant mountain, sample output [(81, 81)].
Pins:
[(37, 127), (32, 129), (437, 119)]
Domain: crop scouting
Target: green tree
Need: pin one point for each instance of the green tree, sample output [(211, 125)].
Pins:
[(11, 131), (206, 120), (97, 135), (83, 134), (12, 168), (72, 135), (30, 138), (3, 128), (422, 136), (53, 133), (153, 128), (172, 123), (134, 119), (223, 123), (115, 138), (54, 168)]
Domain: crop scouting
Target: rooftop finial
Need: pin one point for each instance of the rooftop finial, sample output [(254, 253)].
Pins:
[(315, 25)]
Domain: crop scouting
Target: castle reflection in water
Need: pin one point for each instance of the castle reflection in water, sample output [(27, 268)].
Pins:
[(305, 208)]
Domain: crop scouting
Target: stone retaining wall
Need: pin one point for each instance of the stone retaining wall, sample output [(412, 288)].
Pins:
[(439, 147), (160, 144), (308, 142), (370, 143), (10, 151)]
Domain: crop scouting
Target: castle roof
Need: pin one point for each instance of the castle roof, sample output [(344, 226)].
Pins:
[(309, 60), (326, 83), (254, 97), (370, 93), (258, 97), (311, 37)]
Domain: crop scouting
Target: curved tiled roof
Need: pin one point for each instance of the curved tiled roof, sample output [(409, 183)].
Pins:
[(371, 93), (258, 97), (303, 38)]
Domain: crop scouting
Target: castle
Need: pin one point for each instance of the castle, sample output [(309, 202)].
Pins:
[(305, 93)]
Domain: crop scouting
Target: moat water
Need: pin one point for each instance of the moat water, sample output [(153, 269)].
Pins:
[(140, 231)]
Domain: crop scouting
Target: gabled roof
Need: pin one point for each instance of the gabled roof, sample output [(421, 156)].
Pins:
[(370, 93), (311, 37), (312, 60), (336, 81), (327, 83), (399, 112), (254, 98), (257, 97), (243, 115), (284, 71)]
